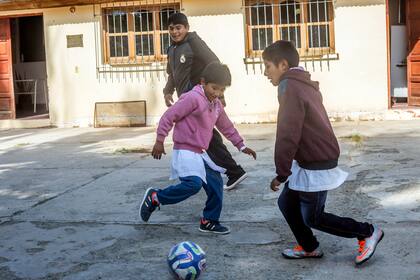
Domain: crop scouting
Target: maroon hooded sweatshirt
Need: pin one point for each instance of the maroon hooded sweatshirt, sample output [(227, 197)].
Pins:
[(304, 132)]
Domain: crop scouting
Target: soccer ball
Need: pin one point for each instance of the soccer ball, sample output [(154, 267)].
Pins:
[(186, 260)]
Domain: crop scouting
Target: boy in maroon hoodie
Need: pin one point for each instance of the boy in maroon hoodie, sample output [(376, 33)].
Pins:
[(306, 157)]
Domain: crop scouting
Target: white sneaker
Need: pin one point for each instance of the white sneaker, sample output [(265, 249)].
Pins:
[(368, 246)]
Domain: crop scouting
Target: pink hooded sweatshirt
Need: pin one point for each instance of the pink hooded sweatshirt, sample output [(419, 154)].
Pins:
[(195, 117)]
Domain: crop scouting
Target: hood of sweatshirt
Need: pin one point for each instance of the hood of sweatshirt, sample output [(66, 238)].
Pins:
[(299, 74)]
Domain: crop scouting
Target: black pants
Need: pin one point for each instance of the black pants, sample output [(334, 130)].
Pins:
[(218, 153), (305, 210)]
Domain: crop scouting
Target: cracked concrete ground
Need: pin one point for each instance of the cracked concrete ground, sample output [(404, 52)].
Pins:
[(69, 198)]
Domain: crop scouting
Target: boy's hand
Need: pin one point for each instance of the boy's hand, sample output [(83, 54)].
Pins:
[(250, 152), (275, 185), (158, 150), (168, 100)]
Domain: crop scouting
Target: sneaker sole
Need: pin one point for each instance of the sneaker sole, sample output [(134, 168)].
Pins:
[(374, 249), (215, 232), (299, 258), (243, 177), (142, 202)]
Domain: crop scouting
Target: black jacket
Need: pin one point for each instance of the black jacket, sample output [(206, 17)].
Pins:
[(186, 61)]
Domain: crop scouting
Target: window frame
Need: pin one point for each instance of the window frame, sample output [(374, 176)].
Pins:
[(304, 24), (156, 11)]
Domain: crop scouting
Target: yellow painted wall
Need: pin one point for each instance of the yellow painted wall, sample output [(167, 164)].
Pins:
[(356, 82)]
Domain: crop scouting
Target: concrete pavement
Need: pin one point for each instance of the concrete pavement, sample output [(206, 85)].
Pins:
[(69, 199)]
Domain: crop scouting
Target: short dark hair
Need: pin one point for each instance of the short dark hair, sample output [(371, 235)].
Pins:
[(178, 18), (280, 50), (217, 73)]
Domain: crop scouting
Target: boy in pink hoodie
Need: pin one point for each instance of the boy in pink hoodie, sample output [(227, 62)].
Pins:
[(195, 114)]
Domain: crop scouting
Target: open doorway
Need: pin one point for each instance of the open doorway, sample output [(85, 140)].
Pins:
[(399, 52), (29, 67), (404, 44)]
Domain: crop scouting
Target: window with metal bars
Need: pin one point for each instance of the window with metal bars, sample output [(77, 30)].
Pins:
[(136, 33), (308, 23)]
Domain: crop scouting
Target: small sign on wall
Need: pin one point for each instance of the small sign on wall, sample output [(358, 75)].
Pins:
[(75, 41)]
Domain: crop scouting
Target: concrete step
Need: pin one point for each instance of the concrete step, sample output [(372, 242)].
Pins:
[(24, 123)]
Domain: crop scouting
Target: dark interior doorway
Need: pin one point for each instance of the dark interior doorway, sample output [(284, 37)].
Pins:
[(29, 67)]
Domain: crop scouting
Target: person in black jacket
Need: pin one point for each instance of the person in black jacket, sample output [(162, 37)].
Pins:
[(188, 55)]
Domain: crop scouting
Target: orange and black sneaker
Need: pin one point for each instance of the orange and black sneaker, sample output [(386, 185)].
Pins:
[(298, 253), (368, 245)]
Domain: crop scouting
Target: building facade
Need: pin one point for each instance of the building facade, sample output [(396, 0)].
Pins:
[(109, 51)]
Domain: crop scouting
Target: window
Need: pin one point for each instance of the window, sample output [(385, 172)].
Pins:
[(308, 23), (136, 34)]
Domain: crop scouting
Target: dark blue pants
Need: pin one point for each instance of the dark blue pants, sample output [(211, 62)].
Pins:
[(305, 210), (191, 185)]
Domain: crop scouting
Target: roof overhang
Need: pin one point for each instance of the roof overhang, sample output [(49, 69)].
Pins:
[(10, 5)]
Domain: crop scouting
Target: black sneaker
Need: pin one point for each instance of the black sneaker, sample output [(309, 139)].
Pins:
[(148, 205), (234, 181), (212, 227)]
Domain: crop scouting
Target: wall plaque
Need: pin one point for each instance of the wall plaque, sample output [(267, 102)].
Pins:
[(75, 41)]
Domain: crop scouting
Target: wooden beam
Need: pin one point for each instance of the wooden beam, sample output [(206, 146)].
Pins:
[(10, 5)]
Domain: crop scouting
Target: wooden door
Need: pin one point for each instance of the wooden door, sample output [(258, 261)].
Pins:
[(7, 101), (413, 60)]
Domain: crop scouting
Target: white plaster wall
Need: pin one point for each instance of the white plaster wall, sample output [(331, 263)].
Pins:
[(358, 80)]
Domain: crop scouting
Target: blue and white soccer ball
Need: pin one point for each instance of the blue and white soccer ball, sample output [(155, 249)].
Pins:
[(187, 260)]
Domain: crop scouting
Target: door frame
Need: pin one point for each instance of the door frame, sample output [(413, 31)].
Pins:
[(8, 58), (11, 16), (22, 15), (388, 54)]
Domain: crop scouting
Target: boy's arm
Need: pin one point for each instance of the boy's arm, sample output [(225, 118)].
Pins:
[(169, 88), (185, 105), (226, 127), (170, 85), (289, 130)]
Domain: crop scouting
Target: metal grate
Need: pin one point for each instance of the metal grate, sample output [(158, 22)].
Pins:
[(309, 24), (133, 37)]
